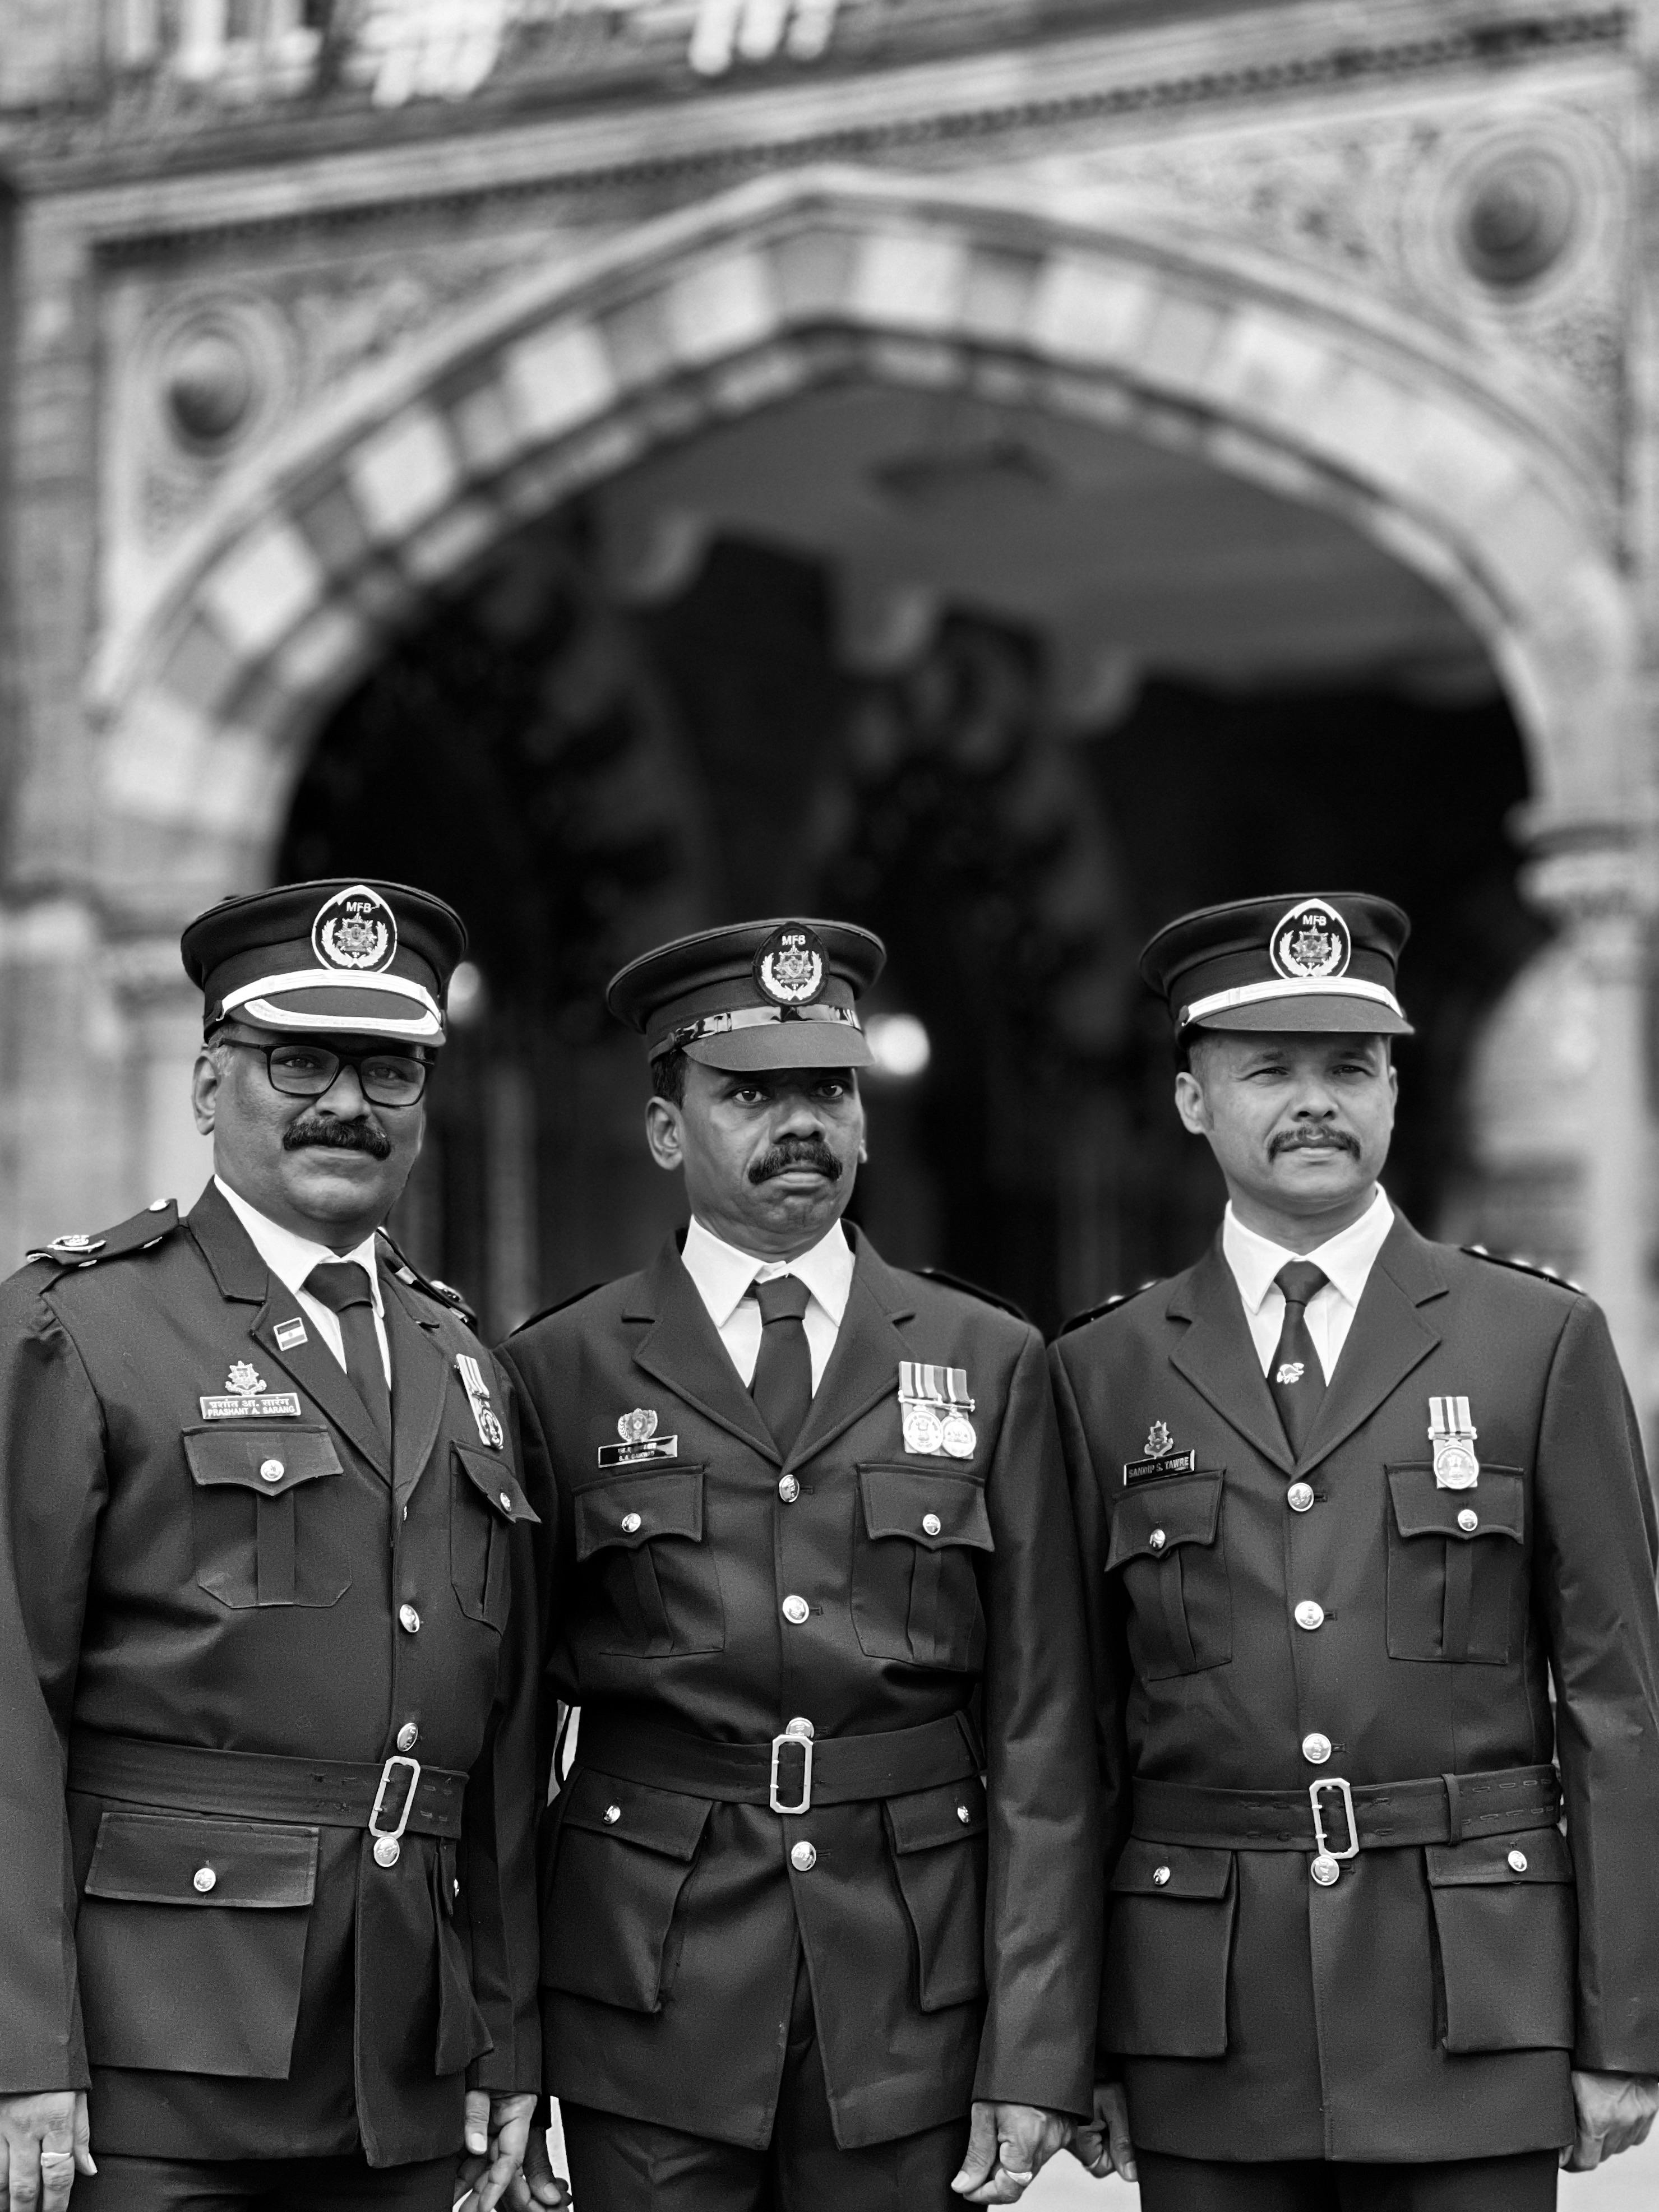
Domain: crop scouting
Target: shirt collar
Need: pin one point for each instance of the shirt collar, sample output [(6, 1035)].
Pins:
[(291, 1258), (722, 1274), (1346, 1258)]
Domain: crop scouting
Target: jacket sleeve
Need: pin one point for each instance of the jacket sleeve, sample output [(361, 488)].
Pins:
[(52, 1488), (1595, 1560), (1042, 1905), (506, 1795)]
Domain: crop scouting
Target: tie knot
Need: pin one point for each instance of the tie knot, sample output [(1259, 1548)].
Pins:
[(339, 1283), (784, 1298), (1300, 1280)]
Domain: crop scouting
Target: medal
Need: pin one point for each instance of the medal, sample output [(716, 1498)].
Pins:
[(934, 1409), (490, 1430), (956, 1432), (1452, 1433), (923, 1430)]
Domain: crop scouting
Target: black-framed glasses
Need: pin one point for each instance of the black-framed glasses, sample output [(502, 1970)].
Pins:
[(307, 1070)]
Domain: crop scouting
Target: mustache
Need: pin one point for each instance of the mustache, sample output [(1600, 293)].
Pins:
[(362, 1135), (796, 1152), (1302, 1140)]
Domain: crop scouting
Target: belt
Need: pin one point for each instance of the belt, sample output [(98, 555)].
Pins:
[(1440, 1809), (793, 1772), (395, 1798)]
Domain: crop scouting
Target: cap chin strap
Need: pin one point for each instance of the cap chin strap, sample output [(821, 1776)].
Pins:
[(1289, 986), (253, 1002), (751, 1017)]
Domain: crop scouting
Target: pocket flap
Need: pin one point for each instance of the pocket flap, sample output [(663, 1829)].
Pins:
[(656, 1820), (1171, 1870), (631, 1509), (933, 1510), (927, 1818), (496, 1483), (1488, 1859), (1155, 1518), (259, 1455), (1422, 1508), (165, 1858)]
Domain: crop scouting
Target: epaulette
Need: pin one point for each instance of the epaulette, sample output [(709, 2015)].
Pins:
[(558, 1305), (444, 1293), (1107, 1305), (974, 1291), (76, 1250), (1524, 1267)]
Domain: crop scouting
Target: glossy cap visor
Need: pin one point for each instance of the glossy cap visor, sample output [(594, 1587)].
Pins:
[(751, 1038), (321, 1002)]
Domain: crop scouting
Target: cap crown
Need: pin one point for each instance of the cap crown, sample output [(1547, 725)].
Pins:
[(776, 993), (1320, 961)]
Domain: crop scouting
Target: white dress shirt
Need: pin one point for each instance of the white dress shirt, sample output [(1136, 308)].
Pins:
[(1346, 1258), (723, 1275), (291, 1258)]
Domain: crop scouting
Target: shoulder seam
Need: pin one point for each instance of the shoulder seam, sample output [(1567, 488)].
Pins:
[(1107, 1305), (973, 1291), (1524, 1267)]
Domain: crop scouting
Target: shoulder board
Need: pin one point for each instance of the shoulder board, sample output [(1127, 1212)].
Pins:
[(974, 1291), (558, 1306), (444, 1293), (1106, 1306), (1523, 1267), (77, 1249)]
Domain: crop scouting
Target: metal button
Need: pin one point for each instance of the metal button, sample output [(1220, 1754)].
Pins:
[(204, 1878), (1160, 1876), (1315, 1748), (788, 1489), (1300, 1496), (1325, 1871), (506, 1497), (1309, 1613), (796, 1610), (963, 1814), (272, 1470), (803, 1858), (1157, 1539), (612, 1814), (408, 1736), (411, 1618), (630, 1524), (387, 1850), (801, 1728), (1518, 1862), (931, 1524), (1468, 1521)]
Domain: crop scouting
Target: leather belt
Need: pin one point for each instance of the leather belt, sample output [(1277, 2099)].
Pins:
[(1440, 1809), (391, 1798), (792, 1773)]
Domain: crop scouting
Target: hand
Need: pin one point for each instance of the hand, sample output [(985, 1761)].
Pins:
[(498, 2133), (538, 2186), (1615, 2112), (1008, 2145), (43, 2146), (1104, 2148)]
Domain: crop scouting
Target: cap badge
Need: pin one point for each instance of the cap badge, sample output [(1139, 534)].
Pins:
[(355, 930), (790, 967), (1311, 942)]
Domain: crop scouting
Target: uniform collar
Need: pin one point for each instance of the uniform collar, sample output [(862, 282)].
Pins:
[(1346, 1258), (722, 1274), (291, 1258)]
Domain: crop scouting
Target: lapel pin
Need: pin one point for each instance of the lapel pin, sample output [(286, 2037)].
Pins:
[(290, 1334)]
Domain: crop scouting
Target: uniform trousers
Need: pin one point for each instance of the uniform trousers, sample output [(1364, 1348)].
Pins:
[(621, 2165), (263, 2184), (1522, 2183)]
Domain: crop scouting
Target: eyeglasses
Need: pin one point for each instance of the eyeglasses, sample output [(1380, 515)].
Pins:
[(307, 1070)]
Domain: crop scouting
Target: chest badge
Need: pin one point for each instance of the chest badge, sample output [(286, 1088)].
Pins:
[(1161, 1457), (248, 1396), (490, 1430), (934, 1404), (640, 1440), (1452, 1434)]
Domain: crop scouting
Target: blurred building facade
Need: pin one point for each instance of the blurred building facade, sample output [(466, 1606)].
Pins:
[(1004, 470)]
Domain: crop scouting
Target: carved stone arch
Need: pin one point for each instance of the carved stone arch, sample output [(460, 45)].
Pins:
[(288, 586)]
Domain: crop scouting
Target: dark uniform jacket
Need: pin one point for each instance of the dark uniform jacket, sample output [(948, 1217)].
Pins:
[(1428, 2004), (154, 1584), (951, 1932)]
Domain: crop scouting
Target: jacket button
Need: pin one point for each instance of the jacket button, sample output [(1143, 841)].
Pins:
[(505, 1499), (1300, 1496), (630, 1524), (1325, 1869), (803, 1858), (800, 1730), (411, 1618), (1160, 1877), (1309, 1613), (1468, 1521), (1518, 1862), (204, 1878), (1315, 1748), (963, 1814), (1157, 1539), (612, 1814), (271, 1470), (931, 1524), (788, 1489), (408, 1736), (796, 1610), (387, 1850)]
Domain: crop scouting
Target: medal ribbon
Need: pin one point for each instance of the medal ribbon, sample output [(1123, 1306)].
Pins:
[(1450, 1417), (922, 1383)]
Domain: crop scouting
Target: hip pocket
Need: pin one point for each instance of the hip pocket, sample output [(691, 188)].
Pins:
[(624, 1855), (1506, 1926), (1169, 1940), (937, 1840), (1168, 1548)]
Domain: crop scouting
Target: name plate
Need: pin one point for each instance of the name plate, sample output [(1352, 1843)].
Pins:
[(269, 1405), (1144, 1470), (636, 1454)]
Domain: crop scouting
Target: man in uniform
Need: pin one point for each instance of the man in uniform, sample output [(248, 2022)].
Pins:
[(826, 1867), (1349, 1501), (266, 1605)]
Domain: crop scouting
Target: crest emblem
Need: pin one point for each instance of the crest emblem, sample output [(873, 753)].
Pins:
[(637, 1427), (790, 967), (1311, 942), (1160, 1442), (355, 932), (246, 1379)]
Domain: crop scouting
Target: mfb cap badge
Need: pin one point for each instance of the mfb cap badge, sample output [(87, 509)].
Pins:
[(355, 931), (1310, 941), (790, 967)]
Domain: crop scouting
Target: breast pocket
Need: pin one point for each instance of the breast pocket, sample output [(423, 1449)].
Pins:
[(918, 1539), (1168, 1544), (1457, 1566), (652, 1583), (485, 1506), (267, 1514)]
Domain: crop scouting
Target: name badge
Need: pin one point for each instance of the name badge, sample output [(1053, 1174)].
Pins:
[(633, 1455), (1143, 1470), (269, 1405)]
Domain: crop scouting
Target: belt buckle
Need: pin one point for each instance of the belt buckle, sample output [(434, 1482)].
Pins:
[(1327, 1864), (387, 1848), (792, 1734)]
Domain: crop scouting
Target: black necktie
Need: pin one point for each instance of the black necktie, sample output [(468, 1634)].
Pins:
[(1295, 1377), (783, 1388), (342, 1286)]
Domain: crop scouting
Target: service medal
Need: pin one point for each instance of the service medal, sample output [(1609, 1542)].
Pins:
[(1452, 1433), (923, 1430), (958, 1435)]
